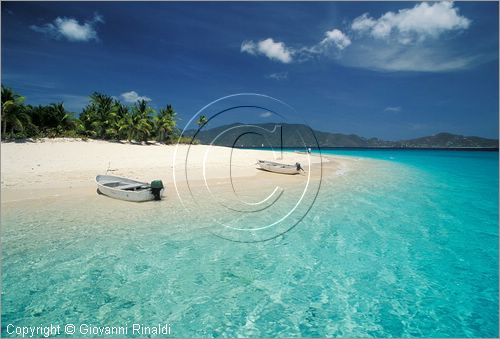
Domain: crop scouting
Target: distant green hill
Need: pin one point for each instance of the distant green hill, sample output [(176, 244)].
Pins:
[(240, 135), (448, 140)]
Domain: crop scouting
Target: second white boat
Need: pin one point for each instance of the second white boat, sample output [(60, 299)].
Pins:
[(276, 167)]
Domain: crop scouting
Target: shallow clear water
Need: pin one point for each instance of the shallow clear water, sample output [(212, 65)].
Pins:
[(404, 245)]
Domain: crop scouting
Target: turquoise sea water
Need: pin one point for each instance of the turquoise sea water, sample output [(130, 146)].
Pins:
[(404, 245)]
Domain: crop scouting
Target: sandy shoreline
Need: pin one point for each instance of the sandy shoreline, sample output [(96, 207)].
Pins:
[(54, 167)]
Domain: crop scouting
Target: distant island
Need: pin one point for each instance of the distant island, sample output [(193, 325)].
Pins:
[(291, 137)]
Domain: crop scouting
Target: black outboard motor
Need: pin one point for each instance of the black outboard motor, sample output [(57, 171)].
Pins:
[(299, 168), (156, 187)]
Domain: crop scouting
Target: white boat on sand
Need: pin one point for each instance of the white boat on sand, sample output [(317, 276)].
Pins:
[(279, 168), (128, 189)]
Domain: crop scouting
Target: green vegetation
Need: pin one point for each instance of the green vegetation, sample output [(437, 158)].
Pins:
[(202, 120), (103, 118)]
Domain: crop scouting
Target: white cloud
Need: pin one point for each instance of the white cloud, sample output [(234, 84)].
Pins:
[(422, 21), (278, 76), (389, 56), (249, 47), (133, 97), (265, 114), (408, 40), (332, 44), (280, 52), (363, 23), (415, 39), (393, 109), (272, 49), (70, 29), (337, 37)]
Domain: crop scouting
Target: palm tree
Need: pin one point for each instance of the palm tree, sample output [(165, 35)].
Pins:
[(123, 121), (61, 119), (88, 117), (141, 121), (100, 116), (104, 117), (37, 114), (164, 123), (78, 127), (113, 123), (125, 126), (202, 120), (13, 112)]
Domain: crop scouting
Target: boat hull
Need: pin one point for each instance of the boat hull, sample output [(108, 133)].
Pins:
[(126, 195), (278, 168)]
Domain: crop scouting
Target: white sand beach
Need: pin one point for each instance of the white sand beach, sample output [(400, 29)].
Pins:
[(48, 167)]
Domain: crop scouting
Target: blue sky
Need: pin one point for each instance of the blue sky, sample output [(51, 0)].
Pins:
[(392, 70)]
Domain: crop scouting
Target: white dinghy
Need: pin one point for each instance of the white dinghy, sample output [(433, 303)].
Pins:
[(128, 189), (279, 168)]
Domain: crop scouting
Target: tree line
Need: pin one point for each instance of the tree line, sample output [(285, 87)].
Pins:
[(104, 117)]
